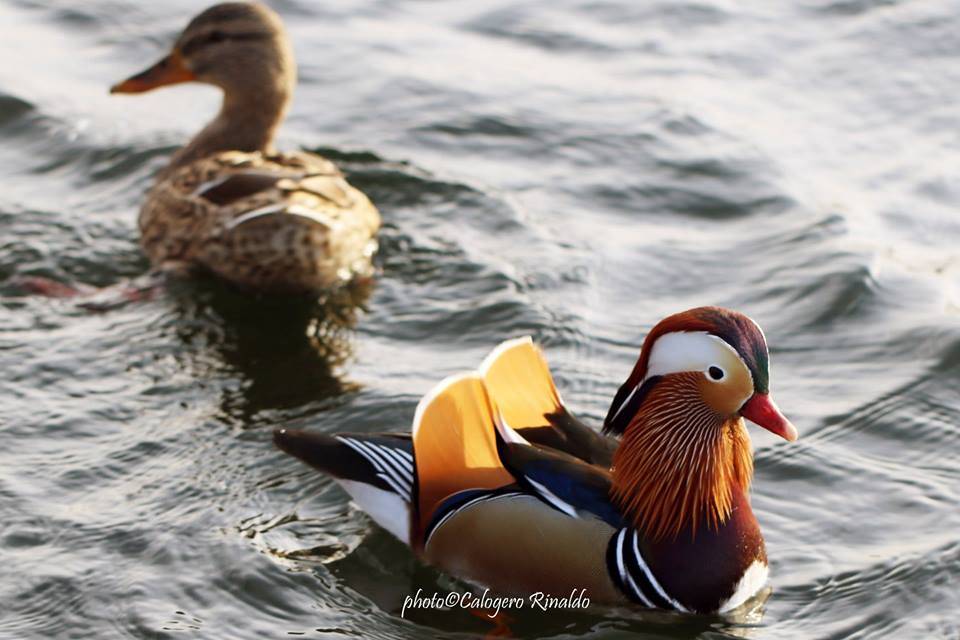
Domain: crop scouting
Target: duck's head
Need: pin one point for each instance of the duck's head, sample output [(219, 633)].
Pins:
[(240, 47), (716, 359), (684, 449)]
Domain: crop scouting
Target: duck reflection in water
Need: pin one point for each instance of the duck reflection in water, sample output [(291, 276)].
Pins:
[(280, 352)]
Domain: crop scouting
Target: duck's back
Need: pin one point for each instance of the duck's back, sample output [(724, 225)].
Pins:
[(277, 223)]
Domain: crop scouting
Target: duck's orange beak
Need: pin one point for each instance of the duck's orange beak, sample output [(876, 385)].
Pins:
[(762, 411), (170, 70)]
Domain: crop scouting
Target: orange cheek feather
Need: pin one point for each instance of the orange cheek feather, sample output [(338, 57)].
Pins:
[(680, 460), (726, 397)]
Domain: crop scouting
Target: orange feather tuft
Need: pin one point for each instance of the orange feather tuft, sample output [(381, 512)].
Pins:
[(679, 462), (455, 446)]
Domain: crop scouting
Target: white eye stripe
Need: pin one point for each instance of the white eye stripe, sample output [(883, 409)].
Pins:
[(687, 351), (682, 351)]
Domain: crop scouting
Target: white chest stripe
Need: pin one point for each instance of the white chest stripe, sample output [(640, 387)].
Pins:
[(625, 577), (653, 581), (635, 577)]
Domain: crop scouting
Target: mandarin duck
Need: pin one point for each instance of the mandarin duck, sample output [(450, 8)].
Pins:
[(500, 484), (228, 202)]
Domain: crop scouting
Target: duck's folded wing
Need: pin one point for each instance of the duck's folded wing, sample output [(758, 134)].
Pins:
[(564, 482), (231, 177), (232, 187), (548, 531), (281, 246), (518, 379)]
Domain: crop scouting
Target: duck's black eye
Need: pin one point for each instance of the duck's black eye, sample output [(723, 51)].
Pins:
[(716, 373), (216, 36)]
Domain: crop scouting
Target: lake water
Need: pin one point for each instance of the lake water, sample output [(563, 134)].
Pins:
[(570, 169)]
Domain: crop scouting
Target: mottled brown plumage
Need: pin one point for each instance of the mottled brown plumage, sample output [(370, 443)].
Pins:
[(228, 203)]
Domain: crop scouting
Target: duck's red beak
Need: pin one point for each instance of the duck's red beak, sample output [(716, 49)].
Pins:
[(763, 411)]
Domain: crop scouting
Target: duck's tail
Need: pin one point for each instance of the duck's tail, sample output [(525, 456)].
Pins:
[(377, 470)]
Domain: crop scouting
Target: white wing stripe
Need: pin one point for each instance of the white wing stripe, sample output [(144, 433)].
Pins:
[(552, 498), (384, 474), (400, 490), (353, 445), (402, 472), (468, 503), (400, 463), (451, 513), (386, 465)]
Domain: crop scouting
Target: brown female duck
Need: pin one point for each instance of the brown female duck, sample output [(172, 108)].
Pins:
[(228, 202)]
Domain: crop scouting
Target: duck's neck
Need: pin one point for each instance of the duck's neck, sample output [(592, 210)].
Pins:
[(680, 466), (246, 122)]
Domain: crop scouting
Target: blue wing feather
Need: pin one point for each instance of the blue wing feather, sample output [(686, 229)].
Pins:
[(561, 480)]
